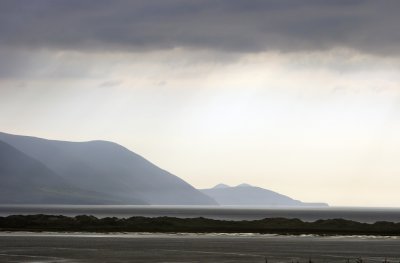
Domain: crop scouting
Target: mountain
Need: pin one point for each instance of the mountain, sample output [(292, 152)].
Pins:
[(221, 186), (26, 180), (106, 168), (245, 194)]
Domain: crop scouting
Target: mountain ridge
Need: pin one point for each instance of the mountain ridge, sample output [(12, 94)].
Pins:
[(111, 169), (245, 194), (26, 180)]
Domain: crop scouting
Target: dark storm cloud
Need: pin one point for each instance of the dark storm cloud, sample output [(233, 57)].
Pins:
[(225, 25)]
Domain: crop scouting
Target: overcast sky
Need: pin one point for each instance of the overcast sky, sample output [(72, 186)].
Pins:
[(300, 97)]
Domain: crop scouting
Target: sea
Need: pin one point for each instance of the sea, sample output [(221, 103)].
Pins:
[(360, 214)]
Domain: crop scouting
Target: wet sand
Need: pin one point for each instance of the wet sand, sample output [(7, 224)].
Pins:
[(52, 247)]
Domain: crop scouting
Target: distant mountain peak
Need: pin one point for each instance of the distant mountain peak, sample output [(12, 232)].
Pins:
[(244, 185), (220, 186), (250, 195)]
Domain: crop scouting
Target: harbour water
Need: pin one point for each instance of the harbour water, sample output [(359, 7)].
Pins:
[(360, 214)]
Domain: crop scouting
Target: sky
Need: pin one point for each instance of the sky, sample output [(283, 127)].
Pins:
[(300, 97)]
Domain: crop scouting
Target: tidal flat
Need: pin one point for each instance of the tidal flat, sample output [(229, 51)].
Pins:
[(157, 247)]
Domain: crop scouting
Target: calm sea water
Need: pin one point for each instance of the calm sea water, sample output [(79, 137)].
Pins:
[(215, 212)]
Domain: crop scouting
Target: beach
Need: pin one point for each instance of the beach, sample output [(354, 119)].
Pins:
[(154, 247)]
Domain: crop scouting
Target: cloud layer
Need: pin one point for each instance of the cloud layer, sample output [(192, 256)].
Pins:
[(225, 25)]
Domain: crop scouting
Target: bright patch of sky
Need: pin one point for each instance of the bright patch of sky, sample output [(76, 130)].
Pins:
[(319, 126)]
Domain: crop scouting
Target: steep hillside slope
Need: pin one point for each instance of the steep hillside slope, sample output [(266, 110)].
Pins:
[(110, 169), (24, 180)]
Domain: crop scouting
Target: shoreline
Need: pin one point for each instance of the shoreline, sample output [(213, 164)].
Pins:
[(274, 226), (145, 235)]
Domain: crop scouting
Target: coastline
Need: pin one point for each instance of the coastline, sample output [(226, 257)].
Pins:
[(274, 226), (166, 235)]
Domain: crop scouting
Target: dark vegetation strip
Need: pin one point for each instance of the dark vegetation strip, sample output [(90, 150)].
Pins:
[(87, 223)]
